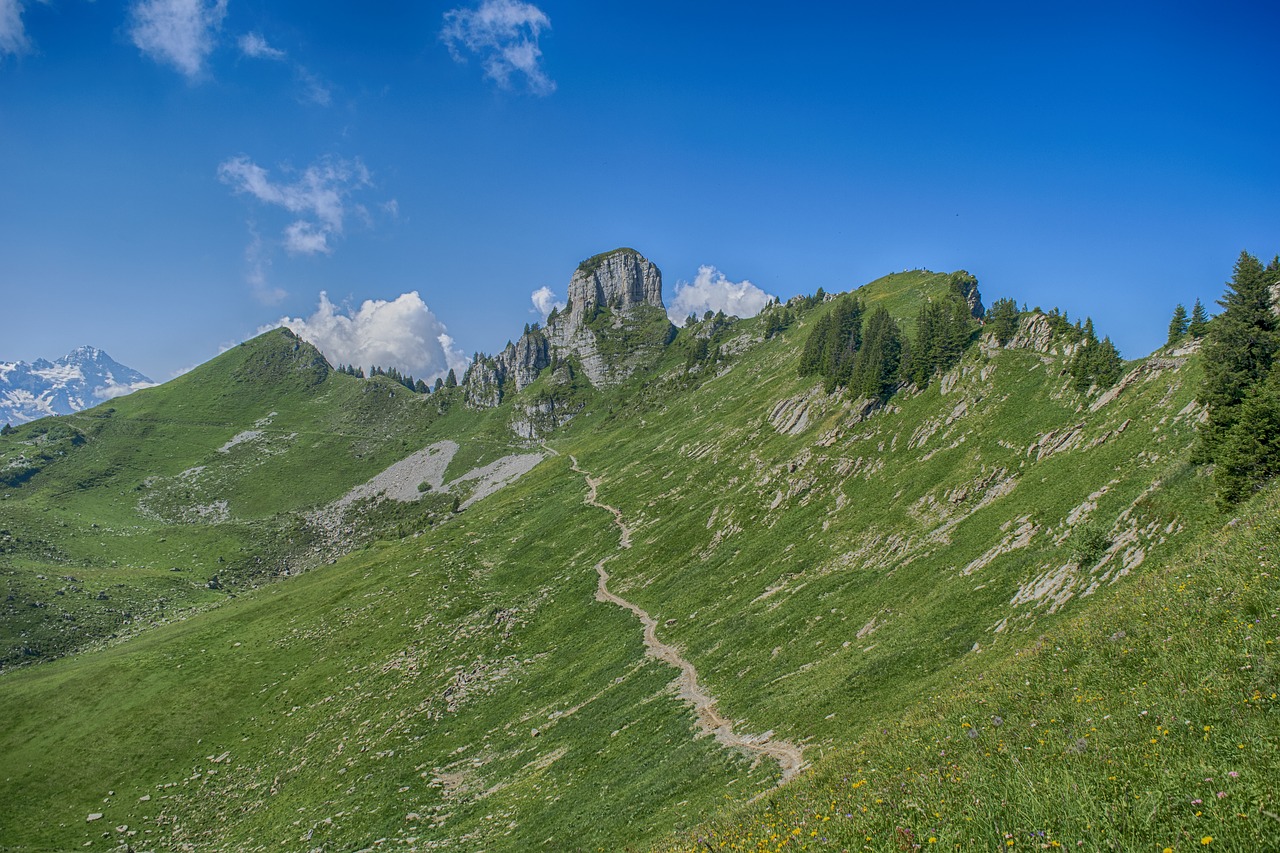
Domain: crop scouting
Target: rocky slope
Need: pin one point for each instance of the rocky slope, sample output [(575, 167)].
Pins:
[(84, 377), (613, 324)]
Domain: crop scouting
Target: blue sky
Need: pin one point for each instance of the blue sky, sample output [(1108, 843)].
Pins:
[(179, 173)]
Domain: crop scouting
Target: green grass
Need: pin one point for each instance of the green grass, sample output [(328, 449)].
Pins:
[(118, 509), (841, 584), (1148, 722)]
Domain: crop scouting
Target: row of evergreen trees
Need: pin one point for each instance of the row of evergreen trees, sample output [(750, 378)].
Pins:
[(868, 354), (1241, 386), (417, 386)]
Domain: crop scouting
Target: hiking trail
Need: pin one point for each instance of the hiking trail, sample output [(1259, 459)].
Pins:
[(710, 721)]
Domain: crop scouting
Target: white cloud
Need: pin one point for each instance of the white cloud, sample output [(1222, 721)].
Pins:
[(13, 36), (402, 333), (315, 90), (319, 195), (113, 389), (259, 261), (504, 34), (544, 300), (303, 238), (711, 291), (255, 46), (177, 32)]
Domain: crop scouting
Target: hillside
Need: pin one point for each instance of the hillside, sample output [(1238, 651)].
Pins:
[(861, 581)]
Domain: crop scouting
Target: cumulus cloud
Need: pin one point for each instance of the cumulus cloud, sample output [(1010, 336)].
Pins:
[(13, 36), (255, 46), (115, 389), (177, 32), (504, 35), (402, 333), (319, 196), (711, 291), (544, 300)]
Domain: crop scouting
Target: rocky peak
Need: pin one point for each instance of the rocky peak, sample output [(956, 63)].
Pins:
[(615, 318), (614, 322), (617, 280)]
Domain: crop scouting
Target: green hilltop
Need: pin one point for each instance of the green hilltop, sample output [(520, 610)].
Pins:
[(997, 607)]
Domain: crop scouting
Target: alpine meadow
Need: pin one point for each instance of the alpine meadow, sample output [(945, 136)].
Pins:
[(887, 569)]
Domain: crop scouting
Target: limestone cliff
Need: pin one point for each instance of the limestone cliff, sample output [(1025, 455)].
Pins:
[(613, 324), (615, 319), (491, 377)]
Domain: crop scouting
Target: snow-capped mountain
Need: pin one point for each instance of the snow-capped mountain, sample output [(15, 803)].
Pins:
[(82, 378)]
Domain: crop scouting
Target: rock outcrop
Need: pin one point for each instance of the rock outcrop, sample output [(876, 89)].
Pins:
[(615, 316), (489, 378), (967, 286), (1035, 333), (614, 323)]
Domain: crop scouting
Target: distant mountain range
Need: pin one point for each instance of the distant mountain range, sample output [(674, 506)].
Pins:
[(82, 378)]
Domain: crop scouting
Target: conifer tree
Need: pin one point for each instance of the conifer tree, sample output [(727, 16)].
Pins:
[(1199, 322), (1240, 348), (844, 337), (1178, 325), (875, 367), (811, 355), (438, 386), (451, 381), (1002, 318), (1096, 362), (1249, 452)]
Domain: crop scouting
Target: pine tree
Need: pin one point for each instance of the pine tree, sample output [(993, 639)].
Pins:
[(438, 386), (811, 355), (7, 429), (1249, 453), (1240, 348), (1002, 318), (451, 381), (1096, 362), (1178, 325), (844, 337), (876, 365), (1199, 322)]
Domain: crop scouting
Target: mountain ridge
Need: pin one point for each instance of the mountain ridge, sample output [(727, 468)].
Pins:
[(840, 570)]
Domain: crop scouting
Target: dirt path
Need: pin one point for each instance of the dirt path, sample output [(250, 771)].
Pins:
[(710, 720)]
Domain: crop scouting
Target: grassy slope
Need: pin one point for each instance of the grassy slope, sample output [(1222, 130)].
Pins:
[(814, 578), (1149, 722), (96, 535), (406, 680)]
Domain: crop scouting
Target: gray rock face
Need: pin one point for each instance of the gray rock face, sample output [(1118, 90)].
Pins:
[(491, 377), (618, 280), (614, 321), (609, 295), (1035, 333), (968, 287)]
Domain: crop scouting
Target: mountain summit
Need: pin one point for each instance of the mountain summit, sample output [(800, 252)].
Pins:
[(84, 377), (615, 322)]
